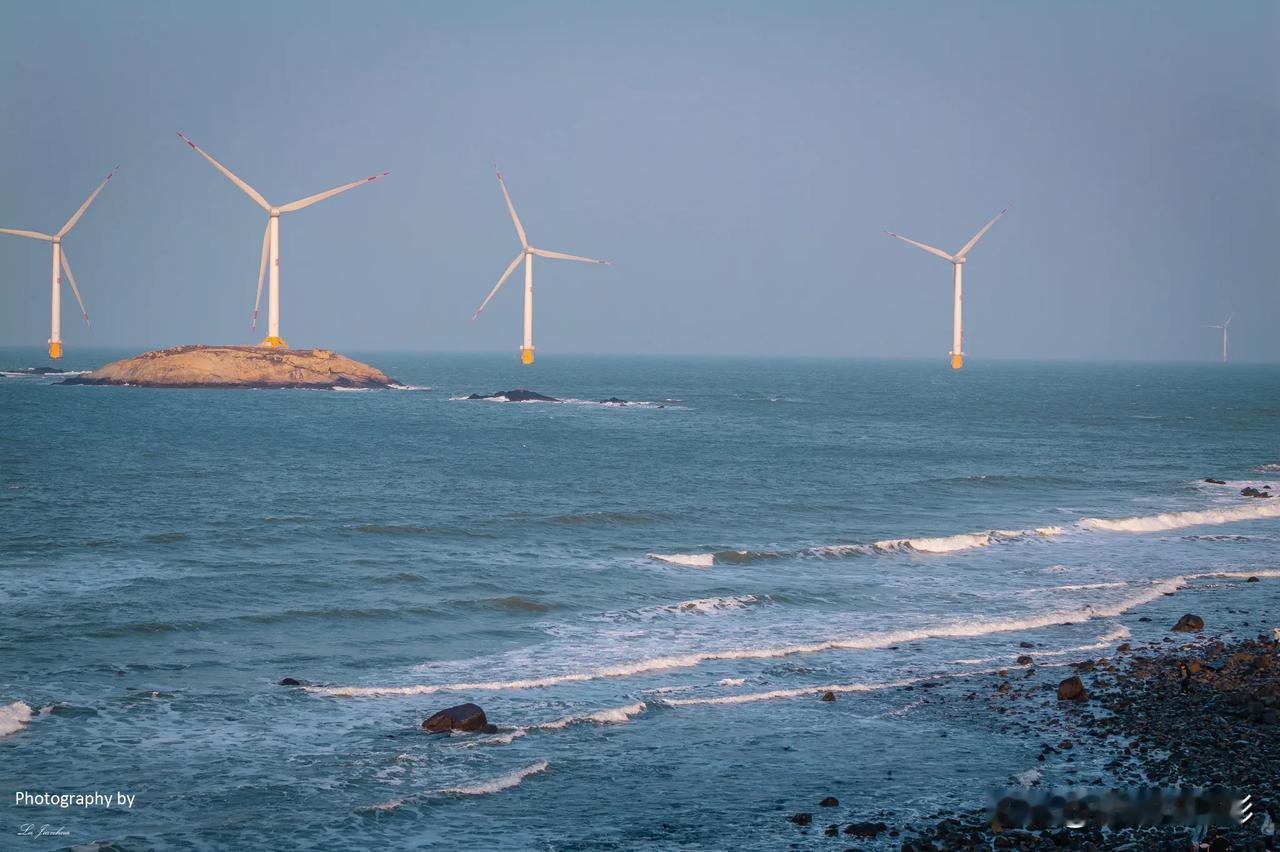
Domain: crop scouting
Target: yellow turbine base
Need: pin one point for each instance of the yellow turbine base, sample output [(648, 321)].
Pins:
[(957, 360), (55, 349), (273, 343), (526, 355)]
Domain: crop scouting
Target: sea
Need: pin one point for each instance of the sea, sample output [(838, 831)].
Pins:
[(647, 599)]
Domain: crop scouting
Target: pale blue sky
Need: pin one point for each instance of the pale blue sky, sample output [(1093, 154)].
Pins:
[(737, 161)]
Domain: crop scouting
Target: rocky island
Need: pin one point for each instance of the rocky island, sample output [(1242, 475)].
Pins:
[(236, 367)]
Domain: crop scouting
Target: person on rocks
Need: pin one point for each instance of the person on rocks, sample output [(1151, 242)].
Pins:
[(1184, 677)]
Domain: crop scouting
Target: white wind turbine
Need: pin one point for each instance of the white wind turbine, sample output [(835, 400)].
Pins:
[(957, 261), (61, 263), (526, 254), (271, 241), (1224, 335)]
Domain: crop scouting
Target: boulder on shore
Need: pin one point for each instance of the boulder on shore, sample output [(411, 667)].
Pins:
[(236, 367), (1072, 689), (517, 395), (1189, 624), (464, 717)]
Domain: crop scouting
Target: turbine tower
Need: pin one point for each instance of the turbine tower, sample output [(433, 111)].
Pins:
[(60, 263), (271, 241), (1224, 336), (957, 261), (526, 254)]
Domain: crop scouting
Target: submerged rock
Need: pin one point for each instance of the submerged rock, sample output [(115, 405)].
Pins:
[(463, 717), (801, 819), (829, 802), (293, 681), (828, 696), (613, 400), (1212, 481), (518, 395), (236, 367), (1250, 491), (1189, 624)]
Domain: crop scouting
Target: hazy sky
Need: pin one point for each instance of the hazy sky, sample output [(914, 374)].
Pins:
[(738, 162)]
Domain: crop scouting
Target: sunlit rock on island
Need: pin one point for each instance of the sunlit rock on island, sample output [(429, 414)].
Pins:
[(237, 367)]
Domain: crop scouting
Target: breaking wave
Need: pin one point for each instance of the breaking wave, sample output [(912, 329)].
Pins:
[(943, 544), (954, 630), (14, 717), (496, 785), (1179, 520), (608, 716)]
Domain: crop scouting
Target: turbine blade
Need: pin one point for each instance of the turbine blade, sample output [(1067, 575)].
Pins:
[(35, 235), (501, 281), (71, 223), (321, 196), (524, 242), (248, 190), (939, 252), (1228, 322), (66, 267), (562, 256), (262, 271), (973, 242)]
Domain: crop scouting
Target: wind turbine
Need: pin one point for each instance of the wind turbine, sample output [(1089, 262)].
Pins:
[(1224, 335), (60, 263), (271, 241), (526, 254), (957, 260)]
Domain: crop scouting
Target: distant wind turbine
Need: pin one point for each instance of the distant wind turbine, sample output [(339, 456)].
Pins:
[(61, 263), (271, 241), (1224, 335), (526, 254), (957, 260)]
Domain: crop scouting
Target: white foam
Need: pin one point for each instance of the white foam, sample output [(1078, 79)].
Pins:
[(612, 715), (1268, 468), (688, 560), (731, 681), (14, 717), (502, 782), (956, 630), (1080, 587), (1263, 508), (408, 388)]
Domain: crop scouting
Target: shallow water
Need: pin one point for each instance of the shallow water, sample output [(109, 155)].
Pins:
[(645, 598)]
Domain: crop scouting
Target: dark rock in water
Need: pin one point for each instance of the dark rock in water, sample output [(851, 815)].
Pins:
[(517, 395), (864, 829), (1253, 580), (1212, 481), (801, 819), (1086, 666), (1145, 618), (37, 371), (828, 696), (293, 681), (832, 830), (1189, 624), (1026, 644), (1072, 689), (1123, 648), (829, 802), (1250, 491), (1025, 660), (613, 400), (464, 717)]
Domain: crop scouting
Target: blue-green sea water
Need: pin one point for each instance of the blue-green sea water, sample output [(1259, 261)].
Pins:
[(646, 599)]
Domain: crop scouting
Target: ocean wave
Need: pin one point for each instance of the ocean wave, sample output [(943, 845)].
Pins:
[(607, 716), (496, 785), (941, 544), (14, 717), (955, 630), (702, 606), (409, 388), (1180, 520), (1268, 468), (30, 374)]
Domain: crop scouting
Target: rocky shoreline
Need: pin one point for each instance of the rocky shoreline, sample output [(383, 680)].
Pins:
[(237, 367), (1202, 714)]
